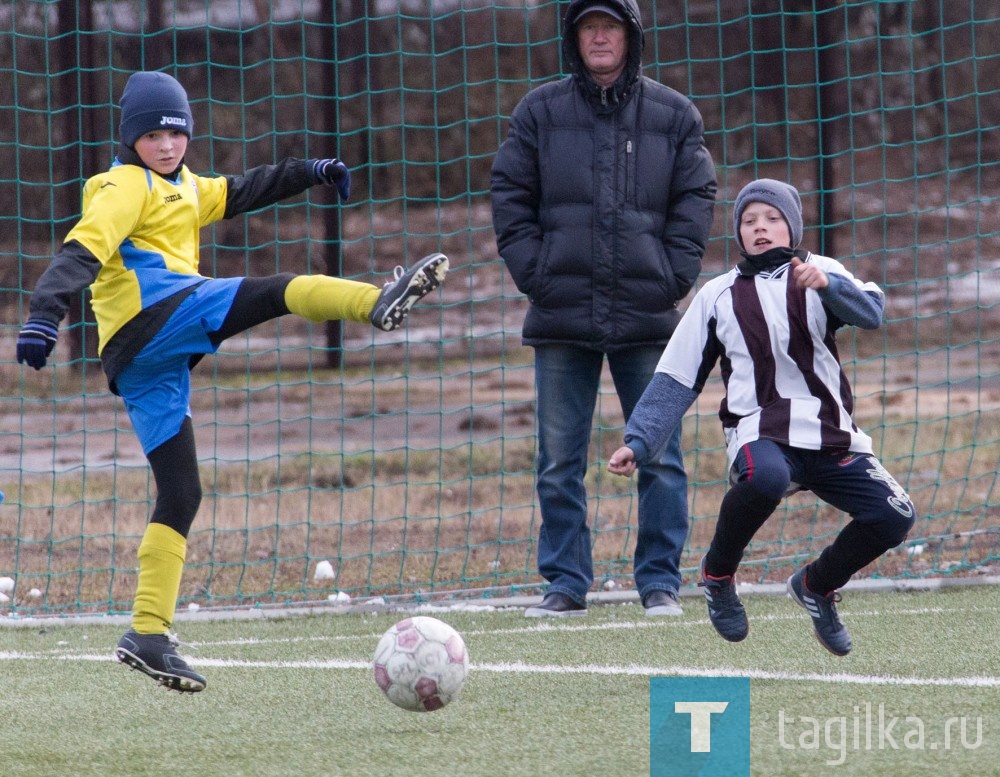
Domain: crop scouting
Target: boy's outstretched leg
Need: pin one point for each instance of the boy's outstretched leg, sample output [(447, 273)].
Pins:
[(321, 298), (406, 287)]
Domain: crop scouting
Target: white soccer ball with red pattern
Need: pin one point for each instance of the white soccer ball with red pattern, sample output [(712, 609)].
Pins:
[(421, 664)]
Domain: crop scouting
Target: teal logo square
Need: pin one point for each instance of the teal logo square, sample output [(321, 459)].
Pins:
[(699, 726)]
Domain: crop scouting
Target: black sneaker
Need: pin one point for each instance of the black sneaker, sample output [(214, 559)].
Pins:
[(156, 656), (556, 605), (660, 602), (405, 288), (725, 609), (831, 633)]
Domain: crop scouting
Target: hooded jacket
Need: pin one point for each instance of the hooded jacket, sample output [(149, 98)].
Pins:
[(603, 201)]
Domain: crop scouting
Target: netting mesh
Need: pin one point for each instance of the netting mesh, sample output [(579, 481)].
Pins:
[(407, 460)]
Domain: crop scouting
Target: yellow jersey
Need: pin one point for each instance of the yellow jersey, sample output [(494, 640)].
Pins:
[(144, 229)]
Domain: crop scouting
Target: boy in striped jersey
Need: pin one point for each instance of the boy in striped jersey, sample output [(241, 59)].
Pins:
[(136, 246), (771, 323)]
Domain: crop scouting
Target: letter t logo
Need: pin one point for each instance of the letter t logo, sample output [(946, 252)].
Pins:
[(701, 721), (699, 726)]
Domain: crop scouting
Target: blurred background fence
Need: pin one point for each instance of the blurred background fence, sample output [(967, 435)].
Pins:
[(406, 460)]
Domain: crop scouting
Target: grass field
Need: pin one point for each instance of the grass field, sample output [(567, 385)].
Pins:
[(294, 695)]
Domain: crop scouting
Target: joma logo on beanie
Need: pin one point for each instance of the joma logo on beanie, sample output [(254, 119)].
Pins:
[(152, 101)]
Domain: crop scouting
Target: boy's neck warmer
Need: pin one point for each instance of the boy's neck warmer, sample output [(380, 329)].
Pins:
[(768, 261)]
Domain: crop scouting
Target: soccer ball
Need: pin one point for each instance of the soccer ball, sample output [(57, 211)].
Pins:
[(421, 664)]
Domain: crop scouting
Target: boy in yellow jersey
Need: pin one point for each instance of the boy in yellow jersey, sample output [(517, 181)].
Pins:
[(136, 246)]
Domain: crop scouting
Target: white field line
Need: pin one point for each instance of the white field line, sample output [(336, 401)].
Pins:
[(518, 667), (67, 653)]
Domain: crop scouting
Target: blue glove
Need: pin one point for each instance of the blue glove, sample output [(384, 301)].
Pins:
[(333, 172), (36, 341)]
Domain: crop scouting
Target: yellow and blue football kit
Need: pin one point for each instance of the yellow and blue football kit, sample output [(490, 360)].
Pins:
[(137, 246)]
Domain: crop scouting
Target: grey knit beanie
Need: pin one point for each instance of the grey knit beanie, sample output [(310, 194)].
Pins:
[(777, 194), (153, 101)]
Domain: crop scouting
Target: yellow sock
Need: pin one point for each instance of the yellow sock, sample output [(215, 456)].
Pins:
[(161, 562), (325, 298)]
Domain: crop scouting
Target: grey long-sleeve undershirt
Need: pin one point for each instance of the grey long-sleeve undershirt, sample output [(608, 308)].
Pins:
[(659, 411), (851, 304)]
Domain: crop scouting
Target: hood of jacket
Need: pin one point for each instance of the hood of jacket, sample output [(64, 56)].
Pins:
[(629, 78)]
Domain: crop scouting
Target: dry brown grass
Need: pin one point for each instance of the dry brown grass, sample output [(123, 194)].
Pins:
[(460, 516)]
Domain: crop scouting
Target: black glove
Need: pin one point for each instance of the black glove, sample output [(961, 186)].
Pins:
[(36, 341), (333, 172)]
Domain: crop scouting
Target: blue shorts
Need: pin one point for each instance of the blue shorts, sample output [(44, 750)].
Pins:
[(156, 384)]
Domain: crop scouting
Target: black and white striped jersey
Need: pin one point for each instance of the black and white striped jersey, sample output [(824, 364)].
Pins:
[(777, 351)]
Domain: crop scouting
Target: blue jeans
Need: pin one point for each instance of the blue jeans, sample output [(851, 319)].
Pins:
[(567, 380)]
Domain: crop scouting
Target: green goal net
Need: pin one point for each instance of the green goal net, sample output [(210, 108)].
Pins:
[(405, 461)]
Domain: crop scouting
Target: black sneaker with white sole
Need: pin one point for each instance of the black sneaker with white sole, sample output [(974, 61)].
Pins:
[(405, 288), (725, 609), (831, 633), (156, 655)]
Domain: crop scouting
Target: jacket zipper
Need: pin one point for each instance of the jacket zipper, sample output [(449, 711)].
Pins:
[(628, 167)]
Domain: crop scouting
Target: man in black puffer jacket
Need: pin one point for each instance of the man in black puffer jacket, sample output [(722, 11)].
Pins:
[(603, 196)]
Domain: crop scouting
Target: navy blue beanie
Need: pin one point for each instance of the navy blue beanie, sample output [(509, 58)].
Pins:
[(777, 194), (153, 101)]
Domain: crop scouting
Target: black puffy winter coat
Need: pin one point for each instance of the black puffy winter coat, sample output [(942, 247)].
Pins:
[(603, 202)]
